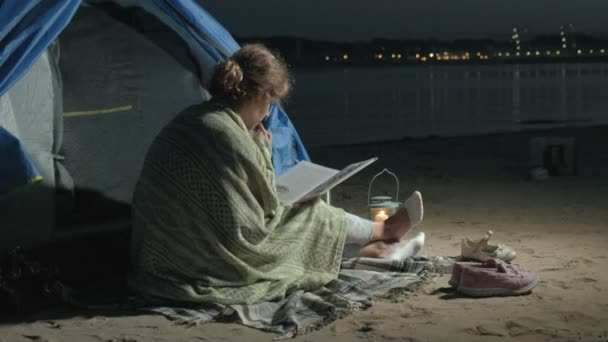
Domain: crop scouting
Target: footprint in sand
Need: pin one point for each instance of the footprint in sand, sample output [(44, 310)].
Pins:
[(516, 329), (365, 329), (417, 312), (37, 338), (365, 326), (586, 280), (446, 237), (572, 263), (526, 250), (483, 330), (583, 282), (558, 283), (529, 236), (122, 339), (575, 262), (576, 316), (398, 338), (552, 269)]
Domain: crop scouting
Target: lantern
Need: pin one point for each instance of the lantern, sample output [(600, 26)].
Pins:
[(382, 207)]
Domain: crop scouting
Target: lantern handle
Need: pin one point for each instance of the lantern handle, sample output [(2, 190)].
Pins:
[(369, 191)]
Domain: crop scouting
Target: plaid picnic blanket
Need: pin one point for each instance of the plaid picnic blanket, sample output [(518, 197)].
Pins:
[(360, 282)]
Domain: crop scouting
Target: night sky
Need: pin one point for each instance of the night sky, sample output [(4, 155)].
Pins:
[(352, 20)]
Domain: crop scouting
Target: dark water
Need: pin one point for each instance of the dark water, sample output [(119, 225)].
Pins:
[(340, 106)]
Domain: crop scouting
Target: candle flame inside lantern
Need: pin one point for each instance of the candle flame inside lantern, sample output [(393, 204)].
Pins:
[(380, 216)]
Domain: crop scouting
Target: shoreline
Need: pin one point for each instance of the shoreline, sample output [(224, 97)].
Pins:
[(532, 129)]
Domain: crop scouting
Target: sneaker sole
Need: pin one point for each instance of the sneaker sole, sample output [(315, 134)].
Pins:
[(473, 292)]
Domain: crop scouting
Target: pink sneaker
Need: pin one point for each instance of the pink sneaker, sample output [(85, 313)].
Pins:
[(495, 278), (458, 267), (457, 271)]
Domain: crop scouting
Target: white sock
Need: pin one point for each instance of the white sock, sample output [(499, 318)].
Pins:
[(359, 230), (413, 247)]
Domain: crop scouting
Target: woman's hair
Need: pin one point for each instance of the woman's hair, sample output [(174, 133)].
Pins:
[(251, 73)]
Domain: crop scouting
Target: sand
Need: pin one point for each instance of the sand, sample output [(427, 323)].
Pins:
[(559, 228)]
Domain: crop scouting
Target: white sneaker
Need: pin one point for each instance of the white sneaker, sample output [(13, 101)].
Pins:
[(480, 250), (412, 248), (415, 208)]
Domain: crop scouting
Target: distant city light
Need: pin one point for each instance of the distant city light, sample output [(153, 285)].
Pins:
[(532, 49)]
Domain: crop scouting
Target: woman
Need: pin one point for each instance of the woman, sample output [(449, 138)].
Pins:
[(207, 224)]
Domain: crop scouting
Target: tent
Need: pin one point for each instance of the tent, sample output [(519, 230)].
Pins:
[(84, 88)]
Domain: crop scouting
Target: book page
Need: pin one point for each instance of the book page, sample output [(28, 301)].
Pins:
[(338, 178), (300, 180)]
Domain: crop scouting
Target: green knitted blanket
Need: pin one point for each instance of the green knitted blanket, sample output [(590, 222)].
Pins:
[(207, 224)]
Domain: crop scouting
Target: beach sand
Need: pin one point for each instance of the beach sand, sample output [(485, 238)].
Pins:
[(559, 227)]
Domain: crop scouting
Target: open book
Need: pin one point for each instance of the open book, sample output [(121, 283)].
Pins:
[(307, 180)]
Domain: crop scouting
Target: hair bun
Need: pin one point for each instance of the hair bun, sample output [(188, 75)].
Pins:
[(253, 72), (233, 77)]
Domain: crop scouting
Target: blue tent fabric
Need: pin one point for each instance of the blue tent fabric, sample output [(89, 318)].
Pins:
[(203, 28), (287, 147), (27, 27), (17, 171)]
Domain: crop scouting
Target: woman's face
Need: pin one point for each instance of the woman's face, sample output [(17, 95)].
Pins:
[(254, 111)]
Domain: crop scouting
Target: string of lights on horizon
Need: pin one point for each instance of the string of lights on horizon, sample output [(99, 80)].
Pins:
[(520, 49)]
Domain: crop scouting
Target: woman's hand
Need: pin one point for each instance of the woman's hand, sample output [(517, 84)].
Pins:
[(263, 130)]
